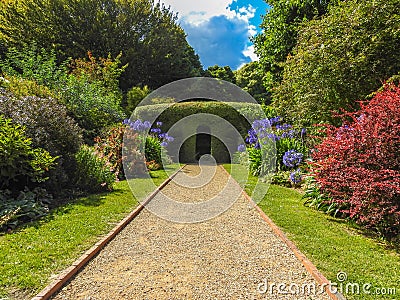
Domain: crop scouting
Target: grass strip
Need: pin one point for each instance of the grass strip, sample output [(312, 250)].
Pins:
[(333, 245), (32, 255)]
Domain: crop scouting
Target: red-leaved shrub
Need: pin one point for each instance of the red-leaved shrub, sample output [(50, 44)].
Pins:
[(358, 164)]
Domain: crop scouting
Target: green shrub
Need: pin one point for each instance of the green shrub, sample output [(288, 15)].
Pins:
[(93, 173), (92, 105), (89, 90), (48, 125), (21, 164), (153, 150), (34, 64)]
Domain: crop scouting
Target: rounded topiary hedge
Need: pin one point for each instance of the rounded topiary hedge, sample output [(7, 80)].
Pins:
[(171, 114)]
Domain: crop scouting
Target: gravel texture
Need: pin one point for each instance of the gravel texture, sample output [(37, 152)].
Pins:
[(234, 255)]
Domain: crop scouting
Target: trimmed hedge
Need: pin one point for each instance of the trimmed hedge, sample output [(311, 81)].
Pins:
[(169, 115)]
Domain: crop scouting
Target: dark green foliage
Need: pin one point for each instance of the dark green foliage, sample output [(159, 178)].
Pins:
[(279, 36), (49, 127), (223, 73), (21, 164), (27, 206), (93, 173), (153, 150), (33, 63), (340, 59), (147, 33)]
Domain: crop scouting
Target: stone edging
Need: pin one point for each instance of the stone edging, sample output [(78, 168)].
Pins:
[(68, 273), (311, 268)]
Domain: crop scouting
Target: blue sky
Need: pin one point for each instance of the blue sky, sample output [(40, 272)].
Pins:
[(219, 30)]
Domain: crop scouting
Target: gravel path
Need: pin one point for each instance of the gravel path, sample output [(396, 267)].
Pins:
[(232, 256)]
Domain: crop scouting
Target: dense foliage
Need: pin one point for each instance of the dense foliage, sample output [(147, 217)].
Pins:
[(88, 87), (152, 43), (279, 36), (250, 79), (287, 153), (358, 164), (48, 126), (339, 59), (21, 164), (93, 173)]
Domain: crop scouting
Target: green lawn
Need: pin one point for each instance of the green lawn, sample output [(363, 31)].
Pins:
[(34, 253), (332, 244)]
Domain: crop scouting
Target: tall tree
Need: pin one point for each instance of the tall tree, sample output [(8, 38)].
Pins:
[(146, 33), (279, 36), (340, 59), (250, 78), (224, 73)]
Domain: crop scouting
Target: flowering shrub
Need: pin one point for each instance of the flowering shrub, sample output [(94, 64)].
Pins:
[(358, 164), (110, 145), (290, 148)]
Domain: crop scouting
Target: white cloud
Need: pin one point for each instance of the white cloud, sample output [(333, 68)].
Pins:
[(206, 23), (250, 52), (195, 12)]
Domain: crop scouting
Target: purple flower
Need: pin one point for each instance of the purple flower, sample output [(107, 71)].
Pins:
[(273, 137), (164, 144), (292, 158), (303, 132), (283, 127), (146, 124), (274, 121), (241, 148), (295, 176), (159, 124), (156, 130)]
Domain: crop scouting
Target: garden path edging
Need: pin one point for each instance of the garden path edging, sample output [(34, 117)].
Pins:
[(69, 272), (310, 267)]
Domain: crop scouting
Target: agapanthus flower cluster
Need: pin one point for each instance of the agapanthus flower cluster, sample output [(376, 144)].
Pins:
[(296, 176), (292, 159), (138, 125), (143, 126)]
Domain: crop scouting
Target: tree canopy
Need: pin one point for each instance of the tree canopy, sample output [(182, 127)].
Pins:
[(146, 33), (280, 29), (340, 59), (250, 78)]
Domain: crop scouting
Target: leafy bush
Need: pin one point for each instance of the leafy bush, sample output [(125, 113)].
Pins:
[(27, 206), (358, 164), (153, 150), (48, 125), (93, 172), (338, 59), (21, 164), (89, 89), (109, 146)]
